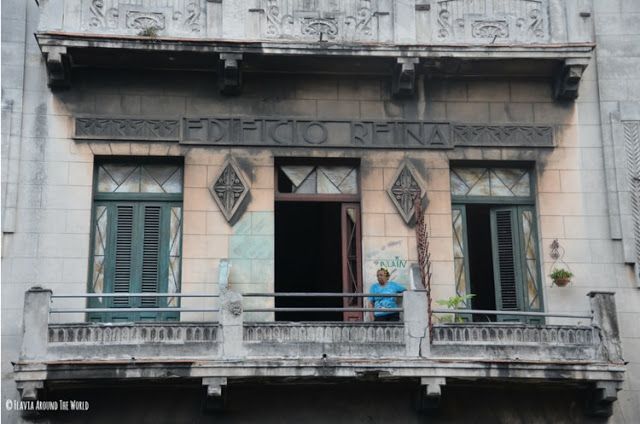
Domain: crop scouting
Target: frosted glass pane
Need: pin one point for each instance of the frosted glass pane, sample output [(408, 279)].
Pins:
[(174, 183), (498, 186), (309, 185), (148, 184), (458, 187), (296, 174), (175, 225), (498, 182), (131, 184), (98, 274), (350, 183), (106, 183), (324, 185), (523, 186)]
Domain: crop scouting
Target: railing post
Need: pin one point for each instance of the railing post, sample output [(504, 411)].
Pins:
[(603, 310), (231, 320), (416, 324), (35, 322)]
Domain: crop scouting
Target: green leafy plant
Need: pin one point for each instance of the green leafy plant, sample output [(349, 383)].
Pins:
[(560, 273), (454, 302), (561, 277)]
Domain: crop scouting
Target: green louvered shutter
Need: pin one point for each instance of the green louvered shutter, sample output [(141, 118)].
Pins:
[(506, 267), (150, 255)]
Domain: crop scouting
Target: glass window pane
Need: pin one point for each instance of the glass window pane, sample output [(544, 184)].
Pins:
[(350, 183), (174, 183), (174, 255), (297, 174), (106, 182), (325, 185), (498, 182), (148, 184), (458, 252), (132, 183), (308, 186), (458, 186), (100, 242), (531, 259)]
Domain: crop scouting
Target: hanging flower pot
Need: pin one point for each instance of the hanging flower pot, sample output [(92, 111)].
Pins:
[(561, 277)]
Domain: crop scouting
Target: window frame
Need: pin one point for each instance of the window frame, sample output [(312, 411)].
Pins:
[(139, 200), (517, 204)]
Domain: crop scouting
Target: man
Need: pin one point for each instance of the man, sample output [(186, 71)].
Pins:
[(384, 286)]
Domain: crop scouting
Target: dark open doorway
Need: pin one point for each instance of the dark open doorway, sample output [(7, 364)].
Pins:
[(308, 258), (481, 260)]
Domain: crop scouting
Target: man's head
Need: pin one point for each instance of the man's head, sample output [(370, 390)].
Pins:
[(383, 276)]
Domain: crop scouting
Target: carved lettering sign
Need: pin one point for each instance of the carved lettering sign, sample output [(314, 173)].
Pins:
[(293, 132), (309, 133)]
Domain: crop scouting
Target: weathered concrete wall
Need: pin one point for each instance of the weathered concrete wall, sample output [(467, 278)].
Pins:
[(618, 94)]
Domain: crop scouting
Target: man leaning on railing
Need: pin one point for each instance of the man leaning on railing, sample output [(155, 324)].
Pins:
[(384, 286)]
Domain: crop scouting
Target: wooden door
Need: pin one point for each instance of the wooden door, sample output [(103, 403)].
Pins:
[(351, 259)]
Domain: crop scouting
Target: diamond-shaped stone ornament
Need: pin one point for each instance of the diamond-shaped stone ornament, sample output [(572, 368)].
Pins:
[(229, 189), (407, 186)]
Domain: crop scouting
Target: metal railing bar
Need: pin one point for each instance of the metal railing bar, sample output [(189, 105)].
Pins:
[(517, 313), (93, 295), (323, 310), (318, 295), (115, 310)]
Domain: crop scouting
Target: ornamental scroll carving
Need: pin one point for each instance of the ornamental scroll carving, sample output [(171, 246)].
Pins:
[(322, 20), (175, 17), (491, 21)]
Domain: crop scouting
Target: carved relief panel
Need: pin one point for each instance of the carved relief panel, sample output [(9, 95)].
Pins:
[(174, 17), (491, 21), (327, 20)]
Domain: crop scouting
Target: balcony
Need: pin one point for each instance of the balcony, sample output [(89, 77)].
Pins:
[(451, 38), (215, 352)]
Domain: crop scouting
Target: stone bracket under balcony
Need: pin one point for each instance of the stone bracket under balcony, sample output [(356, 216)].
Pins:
[(561, 64)]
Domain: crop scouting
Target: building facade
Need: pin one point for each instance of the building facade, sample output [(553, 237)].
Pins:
[(245, 167)]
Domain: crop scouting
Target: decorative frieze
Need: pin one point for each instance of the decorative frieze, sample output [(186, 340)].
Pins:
[(133, 16), (127, 129), (132, 333), (491, 21), (290, 132), (324, 333), (321, 20), (494, 135)]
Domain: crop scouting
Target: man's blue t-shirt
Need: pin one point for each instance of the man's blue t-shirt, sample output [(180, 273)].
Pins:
[(390, 287)]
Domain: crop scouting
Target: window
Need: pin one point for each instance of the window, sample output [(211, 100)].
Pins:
[(495, 240), (136, 238)]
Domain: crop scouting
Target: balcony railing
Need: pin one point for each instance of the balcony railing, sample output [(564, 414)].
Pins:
[(222, 345)]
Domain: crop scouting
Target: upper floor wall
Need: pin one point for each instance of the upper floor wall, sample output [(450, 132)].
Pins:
[(430, 22)]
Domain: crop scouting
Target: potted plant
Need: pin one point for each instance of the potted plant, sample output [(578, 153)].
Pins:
[(454, 303), (561, 277)]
